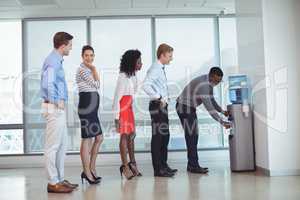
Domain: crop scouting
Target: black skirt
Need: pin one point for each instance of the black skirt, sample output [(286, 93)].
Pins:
[(88, 114)]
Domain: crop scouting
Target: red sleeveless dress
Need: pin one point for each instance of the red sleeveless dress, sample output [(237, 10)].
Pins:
[(126, 119)]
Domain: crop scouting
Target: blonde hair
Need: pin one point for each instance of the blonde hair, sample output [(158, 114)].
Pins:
[(162, 49)]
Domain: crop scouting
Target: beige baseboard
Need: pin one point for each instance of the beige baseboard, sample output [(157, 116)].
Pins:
[(30, 161), (284, 172)]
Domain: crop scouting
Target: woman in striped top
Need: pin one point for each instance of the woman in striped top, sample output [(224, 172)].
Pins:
[(122, 106), (87, 79)]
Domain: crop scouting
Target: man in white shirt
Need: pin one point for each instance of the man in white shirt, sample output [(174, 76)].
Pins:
[(155, 85)]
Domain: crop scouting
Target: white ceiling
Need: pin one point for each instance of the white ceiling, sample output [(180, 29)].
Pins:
[(55, 8)]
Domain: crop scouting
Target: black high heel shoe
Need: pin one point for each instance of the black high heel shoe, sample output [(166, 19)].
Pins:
[(97, 178), (122, 168), (133, 168), (83, 176)]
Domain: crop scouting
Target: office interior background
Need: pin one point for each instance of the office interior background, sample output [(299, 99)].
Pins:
[(212, 42), (258, 38)]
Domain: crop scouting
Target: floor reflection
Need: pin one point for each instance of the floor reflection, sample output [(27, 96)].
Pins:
[(220, 183)]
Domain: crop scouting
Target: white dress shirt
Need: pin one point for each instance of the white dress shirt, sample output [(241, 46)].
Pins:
[(155, 83), (125, 86)]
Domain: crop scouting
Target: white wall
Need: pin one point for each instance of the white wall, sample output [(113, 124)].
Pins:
[(268, 40), (251, 62), (281, 21)]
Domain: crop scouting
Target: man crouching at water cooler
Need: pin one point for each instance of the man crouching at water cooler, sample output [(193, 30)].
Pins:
[(198, 91)]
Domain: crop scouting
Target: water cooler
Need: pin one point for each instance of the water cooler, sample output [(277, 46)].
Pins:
[(241, 143)]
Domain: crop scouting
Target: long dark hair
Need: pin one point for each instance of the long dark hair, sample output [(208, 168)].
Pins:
[(128, 62), (85, 48)]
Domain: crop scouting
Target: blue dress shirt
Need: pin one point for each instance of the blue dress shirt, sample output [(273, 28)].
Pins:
[(53, 82), (155, 83)]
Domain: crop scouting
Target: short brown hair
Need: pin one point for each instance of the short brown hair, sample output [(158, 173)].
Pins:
[(61, 38), (163, 48)]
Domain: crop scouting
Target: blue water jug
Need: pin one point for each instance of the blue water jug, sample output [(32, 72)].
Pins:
[(238, 89)]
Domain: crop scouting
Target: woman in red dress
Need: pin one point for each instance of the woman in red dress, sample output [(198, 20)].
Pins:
[(122, 106)]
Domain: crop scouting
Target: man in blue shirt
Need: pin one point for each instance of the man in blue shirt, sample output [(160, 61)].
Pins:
[(54, 93), (155, 85)]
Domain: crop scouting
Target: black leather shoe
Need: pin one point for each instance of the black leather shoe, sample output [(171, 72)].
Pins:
[(163, 173), (204, 167), (171, 170), (197, 170), (196, 166)]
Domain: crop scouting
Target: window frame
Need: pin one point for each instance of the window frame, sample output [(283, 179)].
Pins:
[(88, 25)]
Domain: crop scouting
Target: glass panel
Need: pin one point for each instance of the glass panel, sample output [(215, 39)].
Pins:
[(11, 72), (11, 141), (112, 38), (37, 51), (228, 42), (228, 48), (194, 53)]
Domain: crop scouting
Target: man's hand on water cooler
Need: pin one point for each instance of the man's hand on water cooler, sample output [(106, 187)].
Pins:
[(225, 113), (226, 125)]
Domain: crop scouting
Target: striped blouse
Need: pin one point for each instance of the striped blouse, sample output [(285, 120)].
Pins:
[(85, 80)]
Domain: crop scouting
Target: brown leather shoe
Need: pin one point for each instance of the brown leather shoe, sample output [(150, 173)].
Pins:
[(70, 185), (58, 188)]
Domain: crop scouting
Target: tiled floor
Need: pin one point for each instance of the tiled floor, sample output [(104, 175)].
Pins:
[(219, 184)]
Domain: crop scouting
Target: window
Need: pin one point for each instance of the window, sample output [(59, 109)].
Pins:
[(111, 38), (39, 44), (228, 53), (228, 42), (11, 72), (11, 140), (193, 40)]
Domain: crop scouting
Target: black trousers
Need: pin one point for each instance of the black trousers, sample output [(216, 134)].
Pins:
[(189, 122), (160, 135)]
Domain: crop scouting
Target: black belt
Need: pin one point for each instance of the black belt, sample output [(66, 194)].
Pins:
[(157, 101)]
